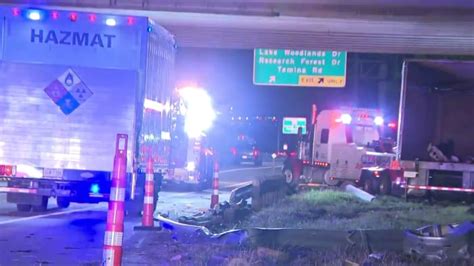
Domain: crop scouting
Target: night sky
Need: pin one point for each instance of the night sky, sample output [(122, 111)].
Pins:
[(228, 75)]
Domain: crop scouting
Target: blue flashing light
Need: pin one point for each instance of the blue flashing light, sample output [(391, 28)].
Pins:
[(95, 188), (149, 29), (34, 15)]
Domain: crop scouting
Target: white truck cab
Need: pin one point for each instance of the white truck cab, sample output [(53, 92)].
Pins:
[(344, 145)]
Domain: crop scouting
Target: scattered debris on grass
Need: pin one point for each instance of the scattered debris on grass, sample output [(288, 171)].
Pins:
[(342, 211)]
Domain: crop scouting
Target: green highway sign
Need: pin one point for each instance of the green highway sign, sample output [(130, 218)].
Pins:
[(305, 68), (291, 125)]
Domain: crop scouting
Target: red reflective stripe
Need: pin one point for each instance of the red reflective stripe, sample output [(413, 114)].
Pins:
[(439, 188), (19, 190), (215, 186), (313, 185)]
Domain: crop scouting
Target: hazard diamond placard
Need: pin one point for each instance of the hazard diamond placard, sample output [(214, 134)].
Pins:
[(68, 91)]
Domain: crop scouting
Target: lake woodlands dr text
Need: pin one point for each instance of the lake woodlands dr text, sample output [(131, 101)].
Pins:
[(61, 37)]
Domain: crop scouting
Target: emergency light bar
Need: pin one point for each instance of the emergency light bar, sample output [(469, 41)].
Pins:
[(360, 117)]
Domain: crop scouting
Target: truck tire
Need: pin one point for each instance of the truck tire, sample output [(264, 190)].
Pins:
[(43, 206), (23, 207), (385, 186), (290, 179), (369, 185), (330, 181), (63, 202)]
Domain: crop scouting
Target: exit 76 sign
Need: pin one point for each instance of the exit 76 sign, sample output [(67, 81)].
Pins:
[(291, 125), (304, 68)]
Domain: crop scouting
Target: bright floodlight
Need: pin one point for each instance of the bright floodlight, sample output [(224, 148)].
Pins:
[(110, 22), (378, 120), (191, 166), (346, 119), (199, 114), (34, 15)]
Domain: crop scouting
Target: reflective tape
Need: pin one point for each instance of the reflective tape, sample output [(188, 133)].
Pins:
[(215, 192), (148, 200), (18, 190), (149, 177), (313, 185), (216, 175), (409, 174), (117, 194), (455, 189), (108, 257), (114, 239)]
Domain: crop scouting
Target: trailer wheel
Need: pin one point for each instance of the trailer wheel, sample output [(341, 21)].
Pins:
[(328, 180), (369, 185), (63, 202), (43, 206), (23, 207), (385, 186), (289, 177)]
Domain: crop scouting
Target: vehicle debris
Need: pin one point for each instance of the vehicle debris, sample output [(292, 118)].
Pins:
[(241, 193), (439, 243), (359, 193)]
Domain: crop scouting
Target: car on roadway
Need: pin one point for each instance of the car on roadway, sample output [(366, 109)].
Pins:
[(246, 152)]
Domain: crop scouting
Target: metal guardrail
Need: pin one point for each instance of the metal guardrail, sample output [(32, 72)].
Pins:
[(455, 243), (267, 190)]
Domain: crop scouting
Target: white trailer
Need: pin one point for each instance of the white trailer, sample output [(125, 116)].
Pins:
[(69, 82), (436, 108)]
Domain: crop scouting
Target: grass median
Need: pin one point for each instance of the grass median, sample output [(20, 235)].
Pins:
[(343, 211)]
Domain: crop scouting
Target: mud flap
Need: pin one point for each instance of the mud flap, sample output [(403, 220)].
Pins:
[(21, 198)]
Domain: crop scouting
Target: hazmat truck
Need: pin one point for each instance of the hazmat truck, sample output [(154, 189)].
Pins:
[(69, 83), (435, 154), (342, 146)]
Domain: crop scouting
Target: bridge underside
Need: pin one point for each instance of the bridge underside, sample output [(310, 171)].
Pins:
[(403, 26)]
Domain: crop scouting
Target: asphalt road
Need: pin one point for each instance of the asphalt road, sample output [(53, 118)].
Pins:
[(74, 236)]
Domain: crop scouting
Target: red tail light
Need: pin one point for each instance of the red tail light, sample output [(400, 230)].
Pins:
[(55, 14), (234, 151), (16, 11), (73, 17), (92, 17), (7, 170), (256, 153)]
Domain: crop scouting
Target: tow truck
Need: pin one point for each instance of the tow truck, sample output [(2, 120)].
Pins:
[(343, 145)]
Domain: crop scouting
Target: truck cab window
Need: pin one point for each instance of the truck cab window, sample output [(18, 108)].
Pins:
[(324, 136)]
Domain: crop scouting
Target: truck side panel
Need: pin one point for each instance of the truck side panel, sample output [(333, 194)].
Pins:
[(155, 125), (35, 131), (438, 108), (47, 122)]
